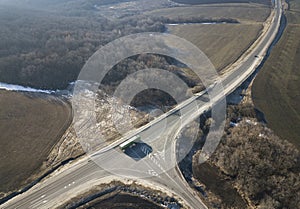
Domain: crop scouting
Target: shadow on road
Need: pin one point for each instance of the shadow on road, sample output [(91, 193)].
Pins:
[(138, 151)]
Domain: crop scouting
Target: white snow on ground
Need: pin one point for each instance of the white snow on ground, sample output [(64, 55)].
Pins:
[(12, 87), (262, 136), (251, 122)]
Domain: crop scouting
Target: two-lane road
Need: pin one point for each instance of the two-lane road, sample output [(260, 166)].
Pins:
[(85, 173)]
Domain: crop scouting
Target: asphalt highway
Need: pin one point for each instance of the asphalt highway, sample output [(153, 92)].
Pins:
[(160, 134)]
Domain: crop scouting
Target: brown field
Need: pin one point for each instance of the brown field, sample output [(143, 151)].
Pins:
[(276, 89), (222, 43), (30, 125), (240, 12), (219, 1), (293, 14)]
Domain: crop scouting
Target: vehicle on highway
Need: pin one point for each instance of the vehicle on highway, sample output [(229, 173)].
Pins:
[(129, 142)]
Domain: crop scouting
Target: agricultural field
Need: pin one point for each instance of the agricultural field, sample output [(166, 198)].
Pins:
[(293, 13), (241, 12), (30, 125), (276, 87), (195, 2), (222, 43)]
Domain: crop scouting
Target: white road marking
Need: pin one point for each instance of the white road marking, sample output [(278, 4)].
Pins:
[(152, 172)]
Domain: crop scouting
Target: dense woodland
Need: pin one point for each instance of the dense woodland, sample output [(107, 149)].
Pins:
[(151, 96), (263, 168), (46, 50)]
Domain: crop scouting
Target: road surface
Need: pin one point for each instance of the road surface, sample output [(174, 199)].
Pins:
[(86, 173)]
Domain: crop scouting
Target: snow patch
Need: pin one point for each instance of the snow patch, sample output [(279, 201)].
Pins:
[(12, 87), (262, 136), (251, 122)]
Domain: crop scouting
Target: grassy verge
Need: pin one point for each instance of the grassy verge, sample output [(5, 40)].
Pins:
[(276, 88), (30, 126)]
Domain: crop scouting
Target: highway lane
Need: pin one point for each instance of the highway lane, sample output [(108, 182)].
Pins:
[(161, 167), (247, 67), (48, 193), (88, 171), (58, 184), (259, 51)]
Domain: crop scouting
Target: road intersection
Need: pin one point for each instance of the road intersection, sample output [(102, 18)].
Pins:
[(161, 169)]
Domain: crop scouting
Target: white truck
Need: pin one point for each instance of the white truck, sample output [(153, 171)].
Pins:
[(129, 142)]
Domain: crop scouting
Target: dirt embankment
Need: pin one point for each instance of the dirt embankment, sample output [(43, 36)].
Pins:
[(107, 110), (120, 195)]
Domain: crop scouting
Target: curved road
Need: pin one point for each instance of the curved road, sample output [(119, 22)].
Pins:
[(85, 173)]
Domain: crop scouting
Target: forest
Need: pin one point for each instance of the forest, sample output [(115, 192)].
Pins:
[(47, 50)]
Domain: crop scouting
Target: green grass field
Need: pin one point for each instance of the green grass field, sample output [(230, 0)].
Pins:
[(276, 89), (30, 125)]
